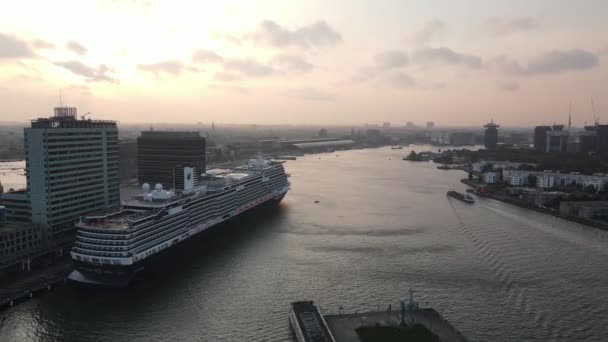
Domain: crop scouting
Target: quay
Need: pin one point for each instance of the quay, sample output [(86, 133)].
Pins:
[(36, 282)]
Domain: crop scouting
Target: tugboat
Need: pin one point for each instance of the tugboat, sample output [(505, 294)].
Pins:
[(463, 197)]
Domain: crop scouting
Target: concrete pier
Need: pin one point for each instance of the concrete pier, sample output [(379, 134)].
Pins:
[(343, 326)]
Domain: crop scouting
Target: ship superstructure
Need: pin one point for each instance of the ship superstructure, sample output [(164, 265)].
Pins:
[(115, 244)]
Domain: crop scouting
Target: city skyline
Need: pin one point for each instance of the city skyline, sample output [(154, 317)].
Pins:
[(337, 64)]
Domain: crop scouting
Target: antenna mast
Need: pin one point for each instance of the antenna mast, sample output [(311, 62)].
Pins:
[(595, 120)]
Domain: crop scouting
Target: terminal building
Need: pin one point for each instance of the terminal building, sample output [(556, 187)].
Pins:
[(160, 152)]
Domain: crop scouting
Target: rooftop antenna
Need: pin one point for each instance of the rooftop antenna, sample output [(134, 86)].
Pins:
[(570, 116)]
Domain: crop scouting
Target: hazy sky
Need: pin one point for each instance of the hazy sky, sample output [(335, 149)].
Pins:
[(461, 62)]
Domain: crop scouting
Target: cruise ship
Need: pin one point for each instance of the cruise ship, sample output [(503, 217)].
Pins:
[(111, 247)]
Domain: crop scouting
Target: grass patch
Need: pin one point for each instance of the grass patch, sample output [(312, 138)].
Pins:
[(415, 333)]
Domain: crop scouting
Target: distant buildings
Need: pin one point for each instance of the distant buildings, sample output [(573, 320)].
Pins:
[(585, 209), (548, 179), (491, 135), (430, 124), (540, 137), (557, 139), (602, 139), (159, 152)]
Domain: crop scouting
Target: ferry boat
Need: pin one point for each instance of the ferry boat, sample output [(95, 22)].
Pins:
[(111, 247), (463, 197), (308, 324)]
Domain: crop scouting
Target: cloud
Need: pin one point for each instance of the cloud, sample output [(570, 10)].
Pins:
[(431, 30), (309, 94), (498, 26), (552, 62), (291, 63), (509, 86), (91, 74), (399, 79), (170, 67), (76, 48), (248, 67), (316, 35), (225, 76), (41, 44), (393, 59), (428, 56), (206, 56), (364, 74), (12, 47)]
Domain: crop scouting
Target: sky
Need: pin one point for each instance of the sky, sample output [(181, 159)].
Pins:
[(334, 62)]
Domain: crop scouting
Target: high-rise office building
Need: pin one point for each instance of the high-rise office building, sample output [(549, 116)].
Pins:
[(557, 139), (491, 135), (72, 169), (160, 152), (540, 137), (588, 140), (601, 138)]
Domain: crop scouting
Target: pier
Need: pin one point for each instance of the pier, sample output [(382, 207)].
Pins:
[(423, 324), (22, 287)]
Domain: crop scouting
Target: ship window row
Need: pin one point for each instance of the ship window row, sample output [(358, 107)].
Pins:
[(143, 244), (108, 254), (128, 235), (156, 228), (221, 197), (214, 209), (157, 241), (96, 247), (101, 242)]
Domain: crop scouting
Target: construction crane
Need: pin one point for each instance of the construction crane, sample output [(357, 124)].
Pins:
[(595, 120), (85, 115)]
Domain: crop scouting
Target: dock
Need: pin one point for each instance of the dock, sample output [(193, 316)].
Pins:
[(24, 286), (309, 325)]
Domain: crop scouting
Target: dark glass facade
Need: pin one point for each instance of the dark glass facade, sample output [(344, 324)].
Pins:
[(160, 152)]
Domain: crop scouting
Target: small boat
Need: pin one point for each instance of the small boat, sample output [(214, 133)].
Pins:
[(463, 197), (397, 148)]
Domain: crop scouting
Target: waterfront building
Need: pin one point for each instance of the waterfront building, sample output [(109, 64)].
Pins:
[(517, 180), (441, 138), (557, 139), (491, 177), (17, 206), (491, 135), (19, 242), (72, 170), (540, 137), (430, 125), (159, 152), (545, 181), (585, 209), (462, 138), (599, 181)]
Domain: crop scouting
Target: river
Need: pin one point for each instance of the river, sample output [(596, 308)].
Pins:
[(381, 226)]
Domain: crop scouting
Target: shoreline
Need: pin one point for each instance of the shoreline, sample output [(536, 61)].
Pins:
[(586, 222)]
